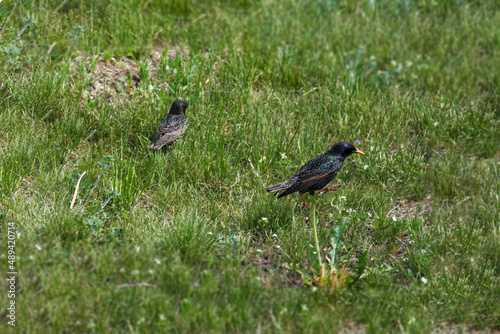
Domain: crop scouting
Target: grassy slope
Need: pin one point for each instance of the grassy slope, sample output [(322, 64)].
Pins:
[(170, 240)]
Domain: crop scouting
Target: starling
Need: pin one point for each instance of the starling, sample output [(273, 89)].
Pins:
[(317, 173), (172, 126)]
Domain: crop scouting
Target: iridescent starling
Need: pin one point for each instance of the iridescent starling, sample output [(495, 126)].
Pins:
[(317, 173), (172, 126)]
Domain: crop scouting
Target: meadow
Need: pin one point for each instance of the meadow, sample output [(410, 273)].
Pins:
[(186, 239)]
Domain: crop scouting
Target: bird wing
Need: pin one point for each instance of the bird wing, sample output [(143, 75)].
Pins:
[(170, 129), (306, 177)]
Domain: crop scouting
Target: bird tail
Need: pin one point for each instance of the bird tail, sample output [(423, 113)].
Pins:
[(276, 187)]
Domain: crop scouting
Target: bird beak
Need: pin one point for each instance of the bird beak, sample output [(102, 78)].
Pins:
[(359, 152)]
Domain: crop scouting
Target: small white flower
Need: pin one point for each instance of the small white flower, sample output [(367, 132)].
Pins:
[(372, 58), (258, 250), (436, 123), (369, 215), (283, 155), (210, 233), (275, 235), (137, 248), (371, 148), (393, 63), (278, 246), (342, 197), (37, 246), (162, 317), (394, 218), (264, 219), (365, 166), (315, 252), (423, 279), (18, 234), (157, 260)]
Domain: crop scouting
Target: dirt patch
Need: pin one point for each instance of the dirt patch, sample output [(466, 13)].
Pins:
[(410, 209), (445, 328), (266, 264), (351, 327), (114, 79), (25, 188)]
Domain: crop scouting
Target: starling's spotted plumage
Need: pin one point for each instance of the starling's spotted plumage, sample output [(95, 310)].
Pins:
[(317, 173), (172, 126)]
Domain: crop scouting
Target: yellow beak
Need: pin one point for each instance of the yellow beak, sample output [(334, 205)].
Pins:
[(359, 152)]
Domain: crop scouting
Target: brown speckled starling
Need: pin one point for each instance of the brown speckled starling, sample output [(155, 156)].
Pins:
[(172, 126)]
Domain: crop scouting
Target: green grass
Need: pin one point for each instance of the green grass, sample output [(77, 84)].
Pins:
[(174, 240)]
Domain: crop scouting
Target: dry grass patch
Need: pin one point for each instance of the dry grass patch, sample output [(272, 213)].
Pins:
[(114, 79)]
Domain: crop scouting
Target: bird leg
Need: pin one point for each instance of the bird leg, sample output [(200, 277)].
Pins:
[(305, 203), (327, 189)]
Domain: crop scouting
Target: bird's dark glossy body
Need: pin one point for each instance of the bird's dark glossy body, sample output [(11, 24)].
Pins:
[(316, 173)]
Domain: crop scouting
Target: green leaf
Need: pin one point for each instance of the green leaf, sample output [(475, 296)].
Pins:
[(335, 240), (362, 262)]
